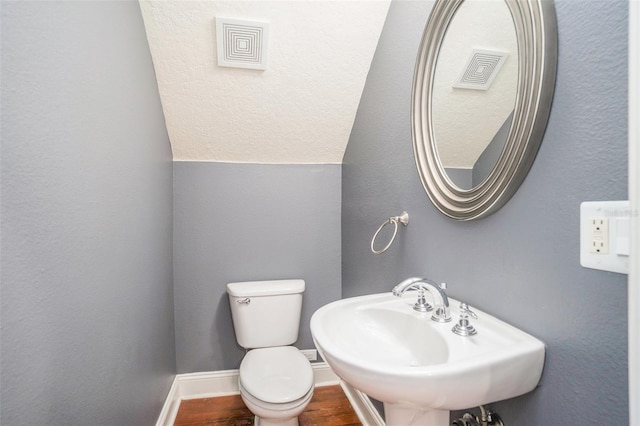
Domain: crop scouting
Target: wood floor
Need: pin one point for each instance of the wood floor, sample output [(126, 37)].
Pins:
[(328, 407)]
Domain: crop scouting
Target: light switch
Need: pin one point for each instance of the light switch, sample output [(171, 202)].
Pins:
[(623, 237)]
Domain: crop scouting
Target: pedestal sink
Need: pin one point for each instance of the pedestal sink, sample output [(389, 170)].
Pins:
[(419, 368)]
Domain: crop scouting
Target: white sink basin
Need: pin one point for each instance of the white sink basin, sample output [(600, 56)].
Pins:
[(419, 368)]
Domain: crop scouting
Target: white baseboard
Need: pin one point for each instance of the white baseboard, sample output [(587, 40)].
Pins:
[(225, 382), (362, 405)]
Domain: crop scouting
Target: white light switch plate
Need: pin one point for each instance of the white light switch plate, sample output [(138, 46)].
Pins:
[(605, 235)]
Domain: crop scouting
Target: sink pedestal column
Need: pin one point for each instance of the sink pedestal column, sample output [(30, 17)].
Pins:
[(398, 415)]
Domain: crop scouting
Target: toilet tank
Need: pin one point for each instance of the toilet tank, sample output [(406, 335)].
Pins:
[(266, 313)]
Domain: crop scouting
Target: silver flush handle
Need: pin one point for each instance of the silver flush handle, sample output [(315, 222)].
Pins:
[(244, 301)]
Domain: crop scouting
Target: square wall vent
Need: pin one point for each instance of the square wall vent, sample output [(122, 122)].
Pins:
[(242, 44), (481, 69)]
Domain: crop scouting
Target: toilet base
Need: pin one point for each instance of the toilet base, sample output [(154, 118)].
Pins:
[(264, 422)]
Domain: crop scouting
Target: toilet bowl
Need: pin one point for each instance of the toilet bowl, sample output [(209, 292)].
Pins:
[(276, 384), (275, 414), (276, 380)]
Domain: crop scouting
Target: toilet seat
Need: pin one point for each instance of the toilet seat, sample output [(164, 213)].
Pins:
[(277, 375), (270, 410)]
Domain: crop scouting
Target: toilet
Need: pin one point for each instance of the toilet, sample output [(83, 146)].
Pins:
[(276, 380)]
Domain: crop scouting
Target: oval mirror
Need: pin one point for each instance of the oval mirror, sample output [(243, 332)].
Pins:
[(482, 92)]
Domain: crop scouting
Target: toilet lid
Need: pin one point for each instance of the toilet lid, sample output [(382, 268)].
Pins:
[(276, 375)]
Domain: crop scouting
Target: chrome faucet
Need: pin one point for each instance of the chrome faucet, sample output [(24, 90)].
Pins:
[(440, 299)]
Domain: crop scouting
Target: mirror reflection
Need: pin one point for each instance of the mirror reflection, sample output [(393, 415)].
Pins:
[(474, 90)]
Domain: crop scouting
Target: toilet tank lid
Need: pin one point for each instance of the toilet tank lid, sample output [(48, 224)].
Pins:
[(265, 288)]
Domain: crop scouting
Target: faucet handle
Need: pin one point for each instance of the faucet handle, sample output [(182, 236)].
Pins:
[(463, 327), (464, 310)]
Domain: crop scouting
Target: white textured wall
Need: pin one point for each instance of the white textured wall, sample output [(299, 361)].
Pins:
[(299, 110)]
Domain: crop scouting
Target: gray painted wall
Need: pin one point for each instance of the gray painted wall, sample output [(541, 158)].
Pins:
[(522, 263), (87, 303), (245, 222)]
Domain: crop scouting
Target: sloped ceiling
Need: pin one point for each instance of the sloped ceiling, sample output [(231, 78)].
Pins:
[(299, 110)]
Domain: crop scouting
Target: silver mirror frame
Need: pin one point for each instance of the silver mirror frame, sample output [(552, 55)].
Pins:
[(537, 40)]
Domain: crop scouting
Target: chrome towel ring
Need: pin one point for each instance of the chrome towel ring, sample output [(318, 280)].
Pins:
[(403, 219)]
